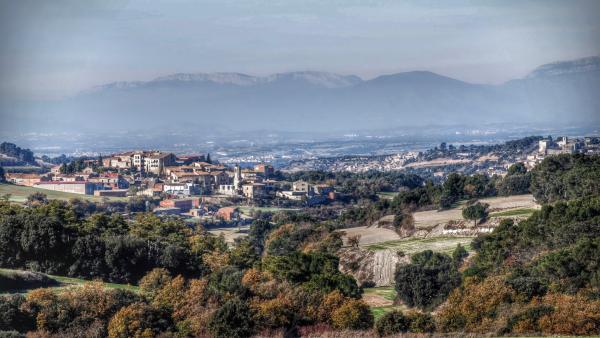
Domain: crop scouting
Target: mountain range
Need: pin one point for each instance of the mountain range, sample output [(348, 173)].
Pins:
[(557, 93)]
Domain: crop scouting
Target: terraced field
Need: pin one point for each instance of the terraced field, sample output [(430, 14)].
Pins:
[(413, 245)]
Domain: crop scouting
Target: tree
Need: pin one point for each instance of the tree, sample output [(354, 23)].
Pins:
[(476, 212), (2, 178), (208, 160), (517, 169), (233, 319), (138, 320), (459, 254), (427, 281)]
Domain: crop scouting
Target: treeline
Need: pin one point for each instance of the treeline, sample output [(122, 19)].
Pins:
[(69, 239), (283, 277), (24, 155), (566, 177)]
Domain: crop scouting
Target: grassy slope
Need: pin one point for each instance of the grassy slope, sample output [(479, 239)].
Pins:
[(19, 194), (68, 281)]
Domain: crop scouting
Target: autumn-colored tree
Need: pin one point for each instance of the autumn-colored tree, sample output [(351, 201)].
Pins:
[(572, 315), (475, 307), (171, 294), (331, 302), (139, 320), (274, 313), (154, 281), (193, 312), (354, 314)]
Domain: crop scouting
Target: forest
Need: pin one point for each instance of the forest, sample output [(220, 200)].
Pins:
[(539, 276)]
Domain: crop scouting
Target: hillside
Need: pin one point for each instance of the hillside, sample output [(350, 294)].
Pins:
[(560, 92)]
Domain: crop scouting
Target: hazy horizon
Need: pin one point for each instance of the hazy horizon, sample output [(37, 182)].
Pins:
[(53, 50)]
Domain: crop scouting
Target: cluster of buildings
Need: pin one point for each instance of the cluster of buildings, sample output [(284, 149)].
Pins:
[(176, 180), (563, 145)]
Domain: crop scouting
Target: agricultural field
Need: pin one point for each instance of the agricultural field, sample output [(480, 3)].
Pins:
[(413, 245), (230, 233), (381, 300), (248, 210), (18, 193), (376, 238), (499, 207)]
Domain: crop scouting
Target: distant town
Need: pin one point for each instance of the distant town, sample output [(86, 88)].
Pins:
[(195, 186)]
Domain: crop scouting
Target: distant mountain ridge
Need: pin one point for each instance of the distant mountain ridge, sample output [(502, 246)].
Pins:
[(560, 92)]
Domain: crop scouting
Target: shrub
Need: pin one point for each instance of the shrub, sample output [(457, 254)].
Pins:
[(392, 323), (354, 315), (421, 322)]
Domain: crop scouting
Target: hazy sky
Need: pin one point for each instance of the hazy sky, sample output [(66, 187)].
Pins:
[(49, 49)]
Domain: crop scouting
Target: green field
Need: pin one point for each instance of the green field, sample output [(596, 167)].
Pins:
[(69, 281), (387, 194), (19, 194), (516, 212), (246, 210), (387, 292), (414, 245)]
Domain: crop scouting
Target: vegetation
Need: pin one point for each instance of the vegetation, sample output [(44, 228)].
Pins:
[(476, 212), (538, 276), (428, 279), (565, 177), (23, 155)]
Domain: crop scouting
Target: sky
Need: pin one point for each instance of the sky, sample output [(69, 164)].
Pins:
[(53, 49)]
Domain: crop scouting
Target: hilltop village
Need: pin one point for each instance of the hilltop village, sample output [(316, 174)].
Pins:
[(184, 185)]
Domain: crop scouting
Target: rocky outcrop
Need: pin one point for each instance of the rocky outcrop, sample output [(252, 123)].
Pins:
[(371, 267)]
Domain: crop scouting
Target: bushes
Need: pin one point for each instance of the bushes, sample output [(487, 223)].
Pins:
[(396, 322), (392, 323), (11, 315)]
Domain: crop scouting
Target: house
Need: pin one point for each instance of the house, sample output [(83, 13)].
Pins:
[(24, 179), (181, 189), (227, 213), (110, 181), (254, 190), (75, 187), (300, 186), (184, 204), (292, 195), (265, 170), (154, 162)]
